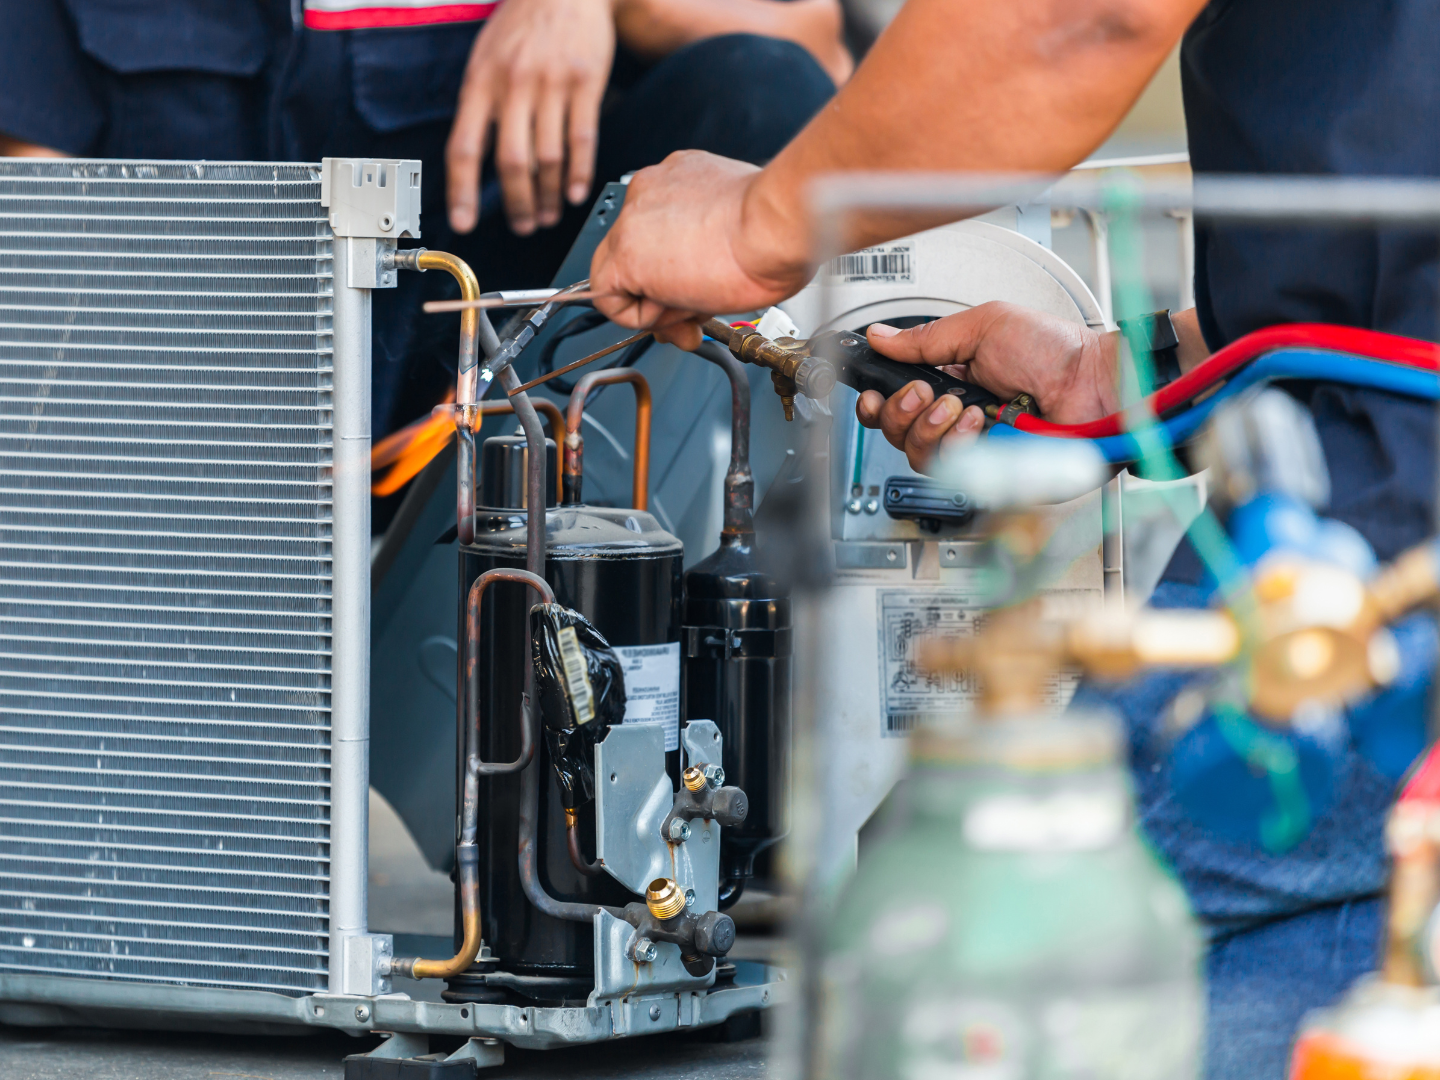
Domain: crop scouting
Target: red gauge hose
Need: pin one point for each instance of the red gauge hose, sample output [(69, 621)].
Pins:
[(1372, 344)]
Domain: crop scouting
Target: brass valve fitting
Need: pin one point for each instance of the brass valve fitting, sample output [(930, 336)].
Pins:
[(664, 899)]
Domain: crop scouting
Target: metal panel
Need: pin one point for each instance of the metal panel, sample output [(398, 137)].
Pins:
[(165, 573)]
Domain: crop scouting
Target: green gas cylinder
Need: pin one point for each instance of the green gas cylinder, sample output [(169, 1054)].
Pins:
[(1007, 920)]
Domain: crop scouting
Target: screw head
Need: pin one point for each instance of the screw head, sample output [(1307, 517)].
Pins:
[(362, 1013), (689, 897), (654, 1012), (646, 951), (679, 830), (714, 776)]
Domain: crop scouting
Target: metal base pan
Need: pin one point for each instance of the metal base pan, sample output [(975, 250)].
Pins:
[(49, 1001)]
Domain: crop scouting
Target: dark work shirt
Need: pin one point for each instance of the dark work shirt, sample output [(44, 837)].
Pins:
[(1326, 87)]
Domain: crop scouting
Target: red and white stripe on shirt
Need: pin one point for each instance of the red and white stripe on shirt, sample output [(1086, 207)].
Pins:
[(366, 14)]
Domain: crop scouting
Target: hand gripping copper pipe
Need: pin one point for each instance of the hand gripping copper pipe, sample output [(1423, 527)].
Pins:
[(575, 442), (467, 851), (466, 372)]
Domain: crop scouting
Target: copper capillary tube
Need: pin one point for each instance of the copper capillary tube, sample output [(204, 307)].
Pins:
[(444, 307), (631, 340), (574, 470)]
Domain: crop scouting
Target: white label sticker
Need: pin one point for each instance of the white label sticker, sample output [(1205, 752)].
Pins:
[(889, 264), (909, 695), (652, 687), (577, 682)]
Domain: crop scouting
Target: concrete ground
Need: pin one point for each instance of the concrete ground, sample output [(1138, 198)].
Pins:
[(406, 897)]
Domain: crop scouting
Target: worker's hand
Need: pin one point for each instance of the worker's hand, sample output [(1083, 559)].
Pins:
[(537, 72), (696, 236), (1069, 369)]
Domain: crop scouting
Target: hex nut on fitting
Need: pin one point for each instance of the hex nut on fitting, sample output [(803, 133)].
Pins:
[(646, 951), (714, 776), (694, 778), (714, 933), (679, 830), (664, 899)]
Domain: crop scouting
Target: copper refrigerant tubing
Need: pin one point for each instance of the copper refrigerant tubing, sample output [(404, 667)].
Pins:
[(631, 340), (518, 298), (547, 408), (467, 851), (467, 373), (739, 520), (575, 442), (572, 844)]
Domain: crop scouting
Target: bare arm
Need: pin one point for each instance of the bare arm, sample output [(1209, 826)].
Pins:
[(1014, 85), (15, 148), (656, 28)]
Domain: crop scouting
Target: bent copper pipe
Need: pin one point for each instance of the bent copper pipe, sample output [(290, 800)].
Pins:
[(467, 851), (739, 482), (535, 562), (547, 408), (572, 844), (466, 371), (575, 442), (534, 474), (553, 416)]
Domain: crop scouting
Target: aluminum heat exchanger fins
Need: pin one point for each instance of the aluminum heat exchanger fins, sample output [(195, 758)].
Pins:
[(165, 509)]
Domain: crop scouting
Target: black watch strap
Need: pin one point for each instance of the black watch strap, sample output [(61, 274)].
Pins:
[(1158, 333)]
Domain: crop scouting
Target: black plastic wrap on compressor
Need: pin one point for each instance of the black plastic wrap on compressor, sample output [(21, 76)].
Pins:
[(581, 686)]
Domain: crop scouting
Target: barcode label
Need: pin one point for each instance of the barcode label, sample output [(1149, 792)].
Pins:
[(889, 264), (577, 681), (902, 722)]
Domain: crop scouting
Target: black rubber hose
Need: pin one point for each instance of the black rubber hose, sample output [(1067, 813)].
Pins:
[(731, 890)]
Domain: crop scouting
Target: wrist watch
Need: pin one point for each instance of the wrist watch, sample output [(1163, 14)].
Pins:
[(1158, 333)]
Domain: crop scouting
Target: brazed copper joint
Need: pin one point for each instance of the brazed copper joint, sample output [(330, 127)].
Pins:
[(791, 370), (467, 851), (467, 419), (664, 899), (694, 779), (574, 471)]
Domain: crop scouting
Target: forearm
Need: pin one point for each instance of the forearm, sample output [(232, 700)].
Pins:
[(16, 148), (657, 28), (986, 85)]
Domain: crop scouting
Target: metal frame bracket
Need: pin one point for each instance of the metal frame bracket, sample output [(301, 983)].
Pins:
[(377, 198)]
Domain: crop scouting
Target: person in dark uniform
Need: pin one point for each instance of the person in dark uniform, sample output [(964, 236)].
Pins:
[(286, 80), (1271, 87)]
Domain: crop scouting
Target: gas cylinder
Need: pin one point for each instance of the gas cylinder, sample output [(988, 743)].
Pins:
[(621, 570), (1007, 920)]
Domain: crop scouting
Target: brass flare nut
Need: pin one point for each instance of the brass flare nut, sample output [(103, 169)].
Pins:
[(694, 778), (664, 898)]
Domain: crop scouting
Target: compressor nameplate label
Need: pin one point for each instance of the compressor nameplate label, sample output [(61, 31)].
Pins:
[(652, 687), (909, 695)]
